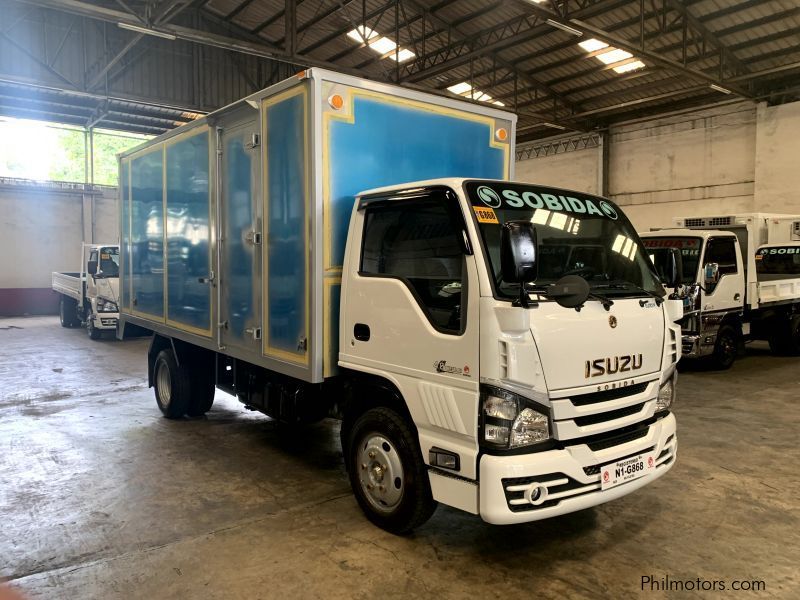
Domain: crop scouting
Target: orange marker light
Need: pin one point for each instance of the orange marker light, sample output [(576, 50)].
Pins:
[(336, 101), (501, 134)]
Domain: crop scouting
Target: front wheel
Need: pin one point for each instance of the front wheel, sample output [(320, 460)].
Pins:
[(94, 332), (387, 473), (726, 348)]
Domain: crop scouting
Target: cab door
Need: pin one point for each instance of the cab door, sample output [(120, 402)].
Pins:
[(728, 292), (410, 313), (240, 237)]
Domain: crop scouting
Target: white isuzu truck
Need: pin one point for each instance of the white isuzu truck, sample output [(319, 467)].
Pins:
[(741, 281), (89, 297), (503, 348)]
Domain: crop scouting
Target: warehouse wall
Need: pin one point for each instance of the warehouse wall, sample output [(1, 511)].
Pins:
[(575, 170), (777, 170), (41, 230), (737, 157)]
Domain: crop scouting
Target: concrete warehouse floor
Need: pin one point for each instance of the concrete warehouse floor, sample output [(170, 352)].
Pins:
[(101, 497)]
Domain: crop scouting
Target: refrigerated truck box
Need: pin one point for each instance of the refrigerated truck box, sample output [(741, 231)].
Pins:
[(233, 227)]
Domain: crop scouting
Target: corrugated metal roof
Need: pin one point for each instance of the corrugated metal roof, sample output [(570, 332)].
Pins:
[(501, 46)]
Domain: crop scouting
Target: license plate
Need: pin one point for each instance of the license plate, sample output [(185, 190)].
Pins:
[(626, 470)]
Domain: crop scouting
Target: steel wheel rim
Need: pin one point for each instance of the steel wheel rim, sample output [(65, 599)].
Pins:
[(380, 472), (164, 384), (728, 347)]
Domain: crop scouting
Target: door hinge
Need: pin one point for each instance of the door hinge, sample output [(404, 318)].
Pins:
[(302, 344), (209, 279), (254, 141)]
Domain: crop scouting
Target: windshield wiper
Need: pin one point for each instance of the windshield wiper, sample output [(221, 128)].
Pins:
[(549, 292), (626, 285)]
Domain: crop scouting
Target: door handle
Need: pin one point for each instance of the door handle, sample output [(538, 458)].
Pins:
[(736, 296), (361, 332)]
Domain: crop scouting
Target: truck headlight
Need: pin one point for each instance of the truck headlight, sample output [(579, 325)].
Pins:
[(511, 421), (104, 305), (666, 394)]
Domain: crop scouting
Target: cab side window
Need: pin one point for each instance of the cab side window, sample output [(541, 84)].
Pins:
[(419, 243), (723, 252)]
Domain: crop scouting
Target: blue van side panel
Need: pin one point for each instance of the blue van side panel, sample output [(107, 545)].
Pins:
[(125, 234), (285, 215), (389, 143), (147, 230), (240, 306), (188, 233)]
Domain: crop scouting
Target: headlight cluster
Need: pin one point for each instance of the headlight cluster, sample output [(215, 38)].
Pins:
[(510, 421), (667, 393), (104, 305)]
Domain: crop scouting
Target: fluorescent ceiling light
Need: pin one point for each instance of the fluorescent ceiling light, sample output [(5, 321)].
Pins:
[(631, 66), (563, 27), (592, 45), (361, 33), (146, 31), (613, 56), (403, 55), (460, 88), (719, 88)]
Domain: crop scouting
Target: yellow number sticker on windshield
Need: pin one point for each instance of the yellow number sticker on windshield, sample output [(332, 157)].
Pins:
[(485, 214)]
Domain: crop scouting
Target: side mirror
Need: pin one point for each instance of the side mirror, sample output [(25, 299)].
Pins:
[(710, 274), (91, 267), (674, 274), (518, 252)]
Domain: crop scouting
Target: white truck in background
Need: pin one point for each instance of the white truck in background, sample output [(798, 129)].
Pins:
[(90, 296), (741, 281)]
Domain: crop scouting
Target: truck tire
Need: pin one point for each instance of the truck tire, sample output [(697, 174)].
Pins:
[(203, 389), (67, 311), (785, 336), (94, 333), (172, 385), (387, 473), (726, 348)]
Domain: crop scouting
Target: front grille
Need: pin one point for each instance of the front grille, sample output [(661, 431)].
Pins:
[(608, 416), (617, 440), (606, 395)]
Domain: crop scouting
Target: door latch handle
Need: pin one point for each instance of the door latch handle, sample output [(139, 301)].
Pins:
[(361, 332), (254, 331), (736, 296)]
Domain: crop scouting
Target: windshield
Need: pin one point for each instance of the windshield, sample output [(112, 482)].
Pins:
[(577, 234), (109, 261), (778, 262), (658, 249)]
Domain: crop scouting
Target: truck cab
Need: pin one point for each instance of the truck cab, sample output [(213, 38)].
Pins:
[(740, 282), (90, 297), (526, 332)]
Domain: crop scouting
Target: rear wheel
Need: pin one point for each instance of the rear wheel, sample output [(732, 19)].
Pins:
[(203, 389), (172, 385), (785, 336), (726, 348), (387, 473), (67, 311)]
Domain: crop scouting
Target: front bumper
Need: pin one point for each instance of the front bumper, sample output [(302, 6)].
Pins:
[(105, 321), (571, 476)]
